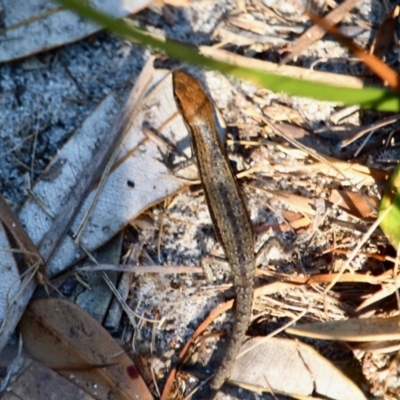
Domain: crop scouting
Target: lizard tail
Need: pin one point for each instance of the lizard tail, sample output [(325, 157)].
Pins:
[(244, 303)]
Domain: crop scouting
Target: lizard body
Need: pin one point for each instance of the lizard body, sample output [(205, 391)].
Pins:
[(228, 211)]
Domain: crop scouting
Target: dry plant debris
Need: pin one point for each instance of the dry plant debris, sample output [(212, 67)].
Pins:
[(60, 335), (317, 192), (42, 25)]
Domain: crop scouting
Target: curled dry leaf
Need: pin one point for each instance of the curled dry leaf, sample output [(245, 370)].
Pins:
[(59, 334), (266, 366)]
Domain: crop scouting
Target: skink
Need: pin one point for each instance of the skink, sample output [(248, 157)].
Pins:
[(226, 206)]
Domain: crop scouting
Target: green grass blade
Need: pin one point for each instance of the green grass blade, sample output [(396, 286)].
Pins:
[(369, 98)]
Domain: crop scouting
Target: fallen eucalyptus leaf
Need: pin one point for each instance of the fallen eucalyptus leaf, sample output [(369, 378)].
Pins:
[(34, 381), (59, 334), (289, 367), (137, 181), (351, 330)]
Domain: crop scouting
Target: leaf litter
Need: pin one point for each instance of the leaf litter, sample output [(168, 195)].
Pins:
[(296, 176)]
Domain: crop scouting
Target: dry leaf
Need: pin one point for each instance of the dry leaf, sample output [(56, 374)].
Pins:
[(139, 179), (354, 203), (315, 33), (39, 25), (357, 174), (384, 36), (305, 137), (352, 330), (10, 282), (10, 279), (388, 288), (267, 366), (296, 220), (48, 226), (58, 333), (34, 381)]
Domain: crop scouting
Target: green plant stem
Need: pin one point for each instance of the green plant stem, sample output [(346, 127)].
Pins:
[(375, 98)]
